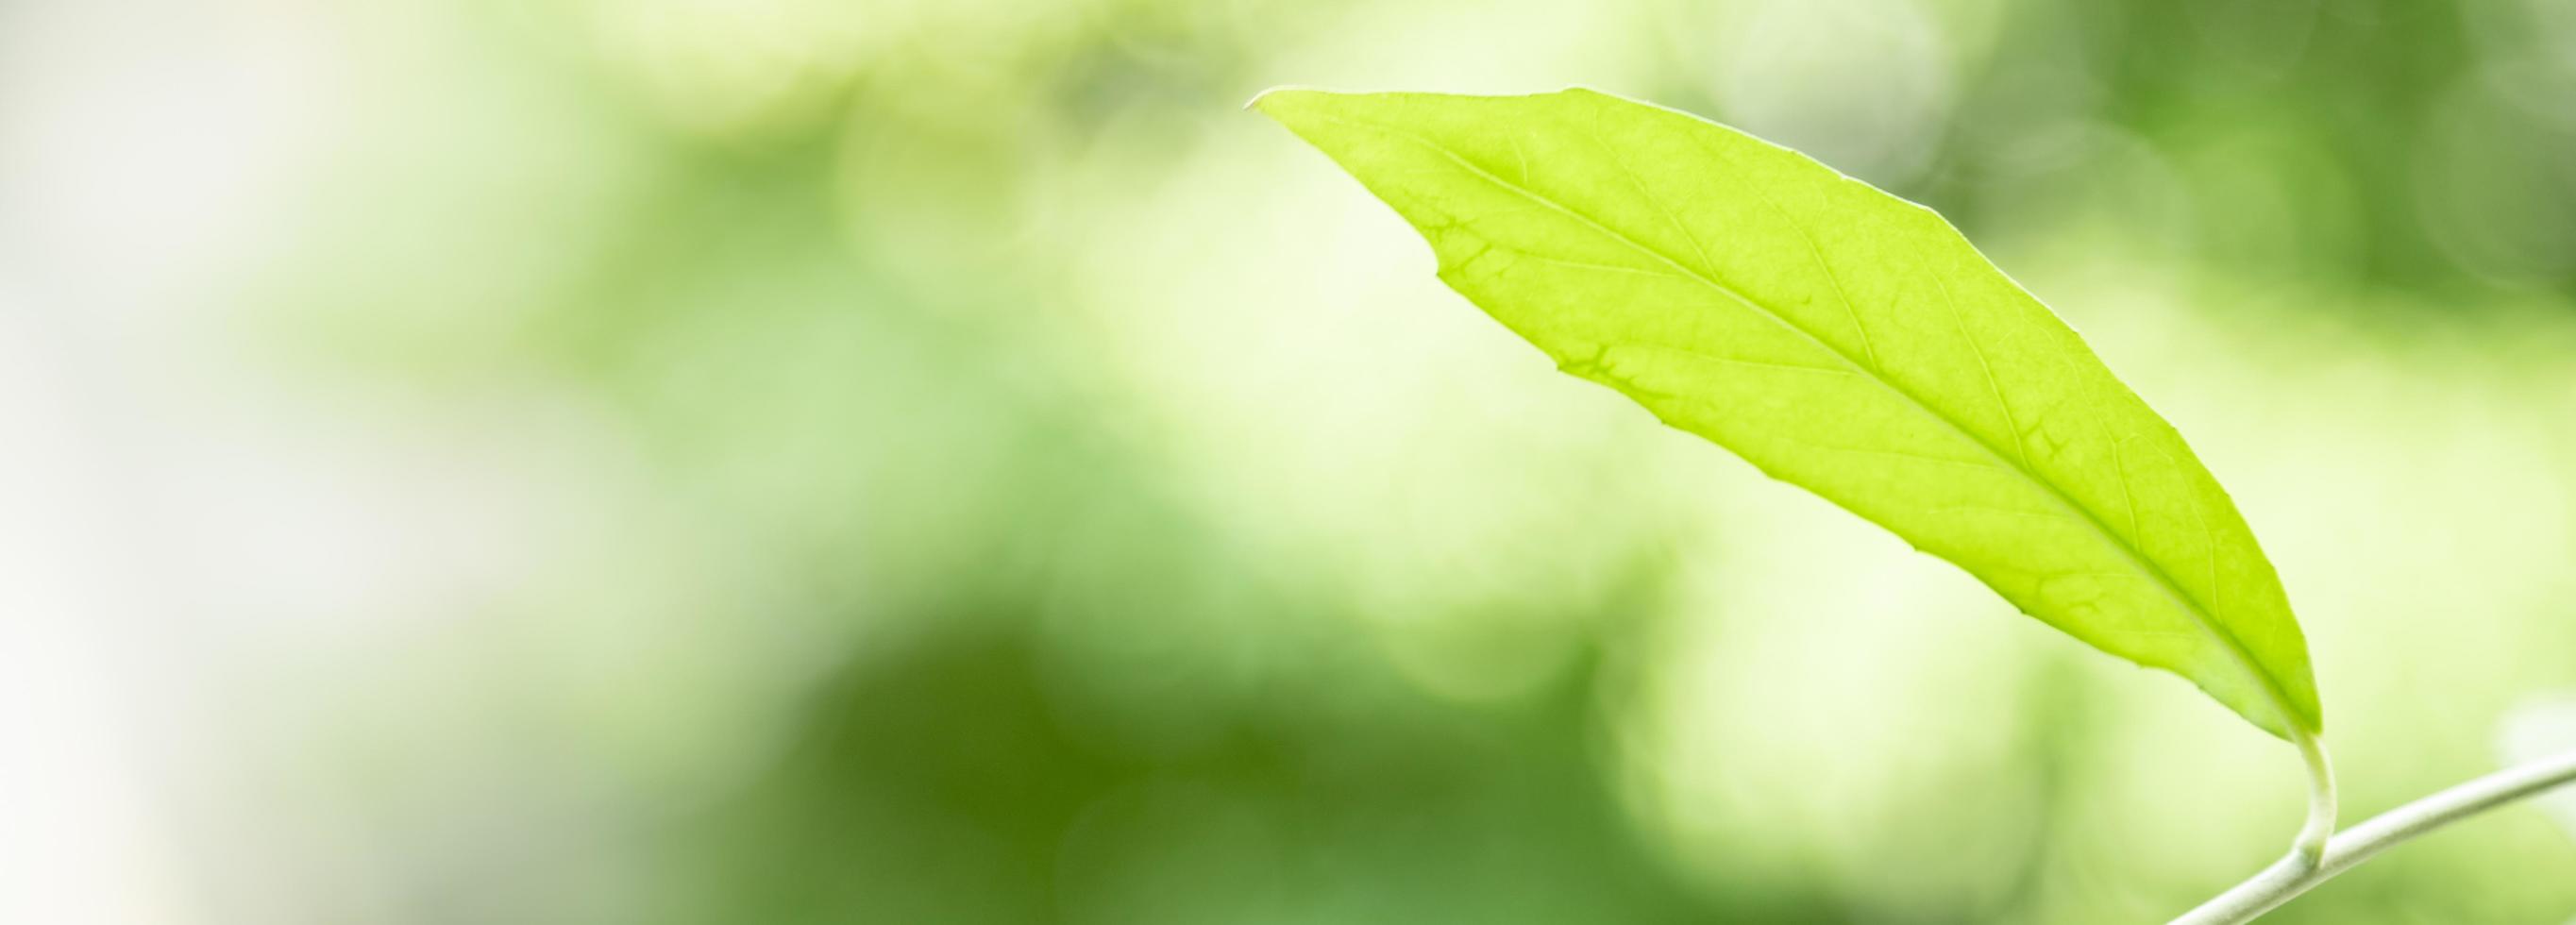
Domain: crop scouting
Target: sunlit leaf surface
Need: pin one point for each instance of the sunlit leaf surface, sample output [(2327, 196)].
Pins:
[(1843, 340)]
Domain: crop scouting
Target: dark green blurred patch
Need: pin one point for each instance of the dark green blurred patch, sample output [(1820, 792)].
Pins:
[(941, 783)]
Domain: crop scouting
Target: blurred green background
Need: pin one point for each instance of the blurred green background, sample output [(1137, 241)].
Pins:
[(942, 461)]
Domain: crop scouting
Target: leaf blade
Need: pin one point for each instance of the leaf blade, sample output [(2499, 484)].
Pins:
[(1842, 340)]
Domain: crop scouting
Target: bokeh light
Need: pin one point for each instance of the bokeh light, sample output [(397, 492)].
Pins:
[(692, 461)]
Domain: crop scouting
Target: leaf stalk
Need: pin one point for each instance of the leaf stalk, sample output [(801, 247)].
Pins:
[(2297, 873), (2320, 827)]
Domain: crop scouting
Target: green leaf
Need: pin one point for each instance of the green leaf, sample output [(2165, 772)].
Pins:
[(1842, 340)]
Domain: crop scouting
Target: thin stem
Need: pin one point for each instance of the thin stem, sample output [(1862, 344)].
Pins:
[(2320, 826), (2295, 874)]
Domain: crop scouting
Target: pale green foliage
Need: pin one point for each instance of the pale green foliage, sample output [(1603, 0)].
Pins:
[(1840, 339)]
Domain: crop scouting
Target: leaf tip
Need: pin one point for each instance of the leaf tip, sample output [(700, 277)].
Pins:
[(1279, 102)]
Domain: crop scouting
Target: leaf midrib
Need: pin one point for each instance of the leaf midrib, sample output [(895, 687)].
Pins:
[(2291, 721)]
